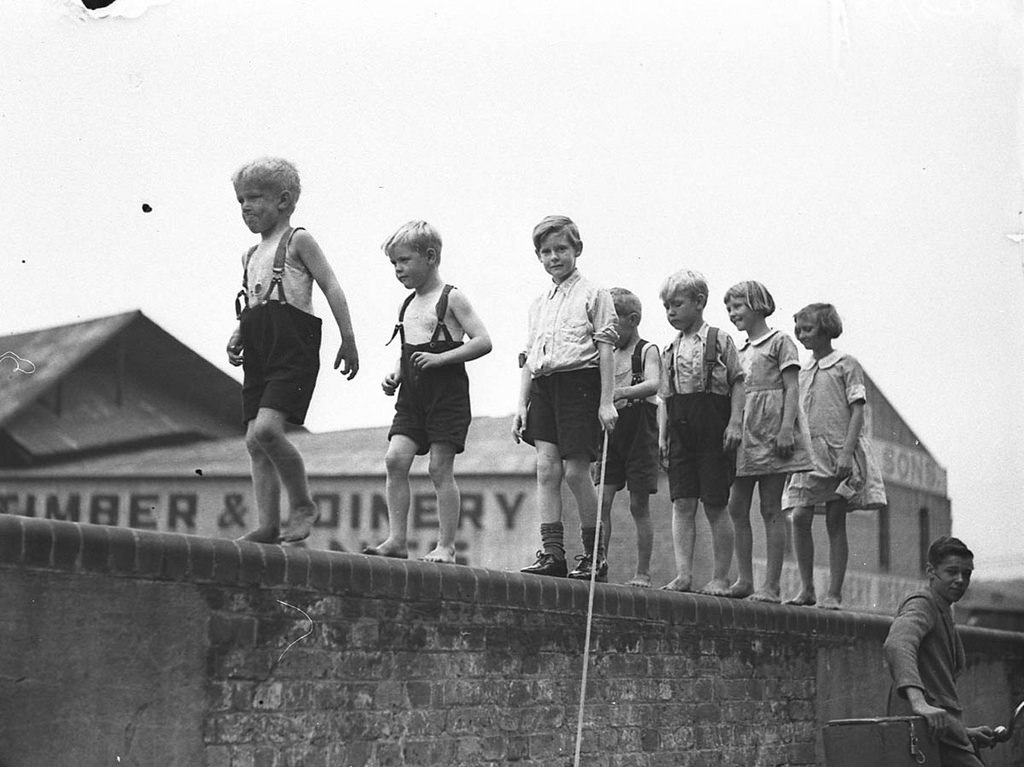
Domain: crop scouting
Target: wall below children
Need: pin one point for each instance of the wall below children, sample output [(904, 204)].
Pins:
[(128, 647)]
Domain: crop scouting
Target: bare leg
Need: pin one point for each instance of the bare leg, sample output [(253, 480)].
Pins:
[(581, 485), (442, 474), (739, 512), (397, 462), (268, 431), (769, 490), (684, 535), (607, 501), (803, 547), (838, 551), (721, 546), (266, 491), (549, 482), (640, 508)]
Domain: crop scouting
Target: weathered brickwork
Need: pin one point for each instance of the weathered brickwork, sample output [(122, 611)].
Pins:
[(318, 659)]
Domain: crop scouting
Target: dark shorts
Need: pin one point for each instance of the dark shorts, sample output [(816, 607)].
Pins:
[(433, 406), (281, 359), (698, 467), (633, 450), (563, 411)]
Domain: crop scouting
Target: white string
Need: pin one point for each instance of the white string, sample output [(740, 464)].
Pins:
[(590, 602)]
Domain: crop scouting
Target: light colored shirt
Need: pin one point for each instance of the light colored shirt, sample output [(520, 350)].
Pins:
[(623, 364), (567, 322), (682, 364), (297, 280)]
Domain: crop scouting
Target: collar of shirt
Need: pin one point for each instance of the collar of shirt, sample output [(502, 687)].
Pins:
[(825, 362), (565, 285), (758, 341)]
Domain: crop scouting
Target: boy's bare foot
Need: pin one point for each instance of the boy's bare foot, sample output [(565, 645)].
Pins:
[(679, 583), (443, 555), (299, 524), (640, 581), (716, 587), (262, 534), (765, 595), (388, 549), (830, 603), (741, 590), (805, 598)]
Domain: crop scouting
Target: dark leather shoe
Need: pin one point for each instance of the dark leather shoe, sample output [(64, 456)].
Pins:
[(547, 564), (586, 563)]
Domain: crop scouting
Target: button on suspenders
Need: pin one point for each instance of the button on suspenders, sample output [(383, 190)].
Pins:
[(276, 282)]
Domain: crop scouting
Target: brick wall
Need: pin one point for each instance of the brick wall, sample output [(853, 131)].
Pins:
[(124, 647)]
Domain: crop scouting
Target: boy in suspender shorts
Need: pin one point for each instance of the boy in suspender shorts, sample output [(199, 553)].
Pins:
[(432, 413), (699, 427), (633, 446), (277, 343)]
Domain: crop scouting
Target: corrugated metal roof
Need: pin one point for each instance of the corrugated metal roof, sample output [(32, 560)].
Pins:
[(355, 452)]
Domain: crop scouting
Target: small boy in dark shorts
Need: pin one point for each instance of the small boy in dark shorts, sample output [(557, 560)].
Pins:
[(277, 342), (565, 395), (699, 427), (432, 413), (633, 446)]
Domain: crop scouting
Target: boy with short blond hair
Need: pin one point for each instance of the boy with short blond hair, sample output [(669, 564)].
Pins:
[(277, 342), (699, 426), (432, 413), (633, 446), (565, 395)]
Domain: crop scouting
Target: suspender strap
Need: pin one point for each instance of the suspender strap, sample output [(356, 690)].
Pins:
[(278, 273), (440, 311), (710, 357), (242, 299), (637, 362), (399, 327)]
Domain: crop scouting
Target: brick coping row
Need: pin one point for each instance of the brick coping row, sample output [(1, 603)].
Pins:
[(44, 544)]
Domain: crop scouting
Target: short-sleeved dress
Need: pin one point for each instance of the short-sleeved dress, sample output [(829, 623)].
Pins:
[(828, 387), (763, 361)]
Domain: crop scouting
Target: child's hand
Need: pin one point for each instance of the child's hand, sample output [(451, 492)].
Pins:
[(348, 358), (426, 360), (518, 424), (844, 465), (732, 438), (784, 442), (235, 349), (390, 383), (607, 415), (982, 737), (663, 453)]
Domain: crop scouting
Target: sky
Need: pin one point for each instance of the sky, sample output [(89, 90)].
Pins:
[(867, 153)]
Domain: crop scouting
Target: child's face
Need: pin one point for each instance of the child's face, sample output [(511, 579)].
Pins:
[(557, 254), (261, 207), (741, 315), (625, 326), (412, 268), (951, 577), (809, 334), (684, 311)]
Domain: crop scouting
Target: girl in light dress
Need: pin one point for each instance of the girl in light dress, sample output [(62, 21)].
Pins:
[(845, 474), (775, 437)]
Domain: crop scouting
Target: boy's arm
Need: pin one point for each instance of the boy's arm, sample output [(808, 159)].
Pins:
[(519, 420), (606, 412), (235, 346), (313, 257), (663, 433), (477, 346), (393, 379), (908, 629)]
